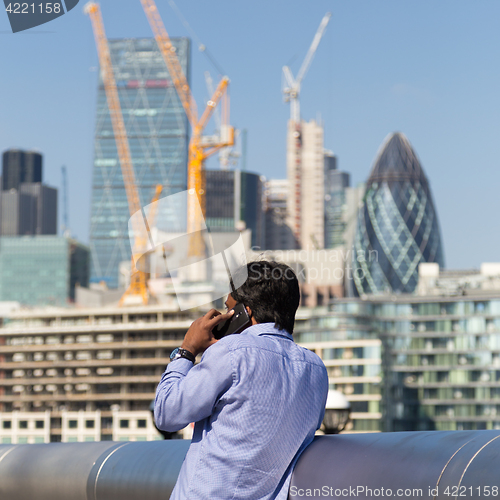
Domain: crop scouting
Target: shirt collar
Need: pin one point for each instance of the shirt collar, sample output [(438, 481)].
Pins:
[(267, 329)]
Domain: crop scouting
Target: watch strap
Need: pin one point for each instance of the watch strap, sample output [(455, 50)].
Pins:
[(183, 353)]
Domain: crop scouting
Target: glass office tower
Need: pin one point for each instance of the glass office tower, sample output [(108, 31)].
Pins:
[(158, 136), (336, 219), (19, 167), (397, 226), (234, 196), (42, 270)]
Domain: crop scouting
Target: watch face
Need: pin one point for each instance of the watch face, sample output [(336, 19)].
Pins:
[(173, 354)]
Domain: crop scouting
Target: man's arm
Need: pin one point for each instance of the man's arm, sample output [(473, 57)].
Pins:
[(188, 393)]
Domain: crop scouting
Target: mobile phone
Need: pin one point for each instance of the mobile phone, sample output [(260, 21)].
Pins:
[(235, 324)]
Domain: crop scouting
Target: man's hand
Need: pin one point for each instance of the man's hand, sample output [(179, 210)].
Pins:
[(199, 336)]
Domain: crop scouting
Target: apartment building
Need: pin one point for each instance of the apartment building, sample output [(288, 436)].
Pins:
[(91, 374)]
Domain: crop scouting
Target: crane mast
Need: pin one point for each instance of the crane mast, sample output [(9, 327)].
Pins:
[(291, 91), (115, 111), (138, 281), (200, 147)]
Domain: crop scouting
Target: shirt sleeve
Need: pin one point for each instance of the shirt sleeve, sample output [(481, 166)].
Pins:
[(187, 393), (324, 387)]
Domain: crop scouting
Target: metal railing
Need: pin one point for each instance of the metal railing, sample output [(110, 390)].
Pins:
[(428, 465)]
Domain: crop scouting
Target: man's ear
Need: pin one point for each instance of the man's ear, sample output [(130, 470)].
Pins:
[(249, 311)]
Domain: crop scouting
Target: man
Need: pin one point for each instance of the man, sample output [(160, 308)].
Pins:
[(257, 397)]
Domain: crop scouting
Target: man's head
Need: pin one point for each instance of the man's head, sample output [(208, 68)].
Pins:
[(272, 293)]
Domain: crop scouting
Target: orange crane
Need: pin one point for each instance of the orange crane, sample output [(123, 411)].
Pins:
[(138, 280), (200, 147), (139, 277)]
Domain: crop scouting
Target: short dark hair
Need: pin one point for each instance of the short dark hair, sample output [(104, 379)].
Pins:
[(272, 292)]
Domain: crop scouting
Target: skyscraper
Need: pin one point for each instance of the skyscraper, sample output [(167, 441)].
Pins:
[(234, 196), (157, 131), (45, 221), (28, 207), (18, 213), (397, 226), (20, 166), (278, 235), (336, 183), (306, 200)]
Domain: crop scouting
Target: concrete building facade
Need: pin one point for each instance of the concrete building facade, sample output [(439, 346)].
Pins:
[(309, 207), (81, 426), (84, 375)]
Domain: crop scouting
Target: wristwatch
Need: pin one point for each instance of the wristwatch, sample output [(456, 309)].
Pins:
[(179, 352)]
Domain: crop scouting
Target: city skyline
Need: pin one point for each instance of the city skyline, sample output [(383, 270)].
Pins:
[(423, 69)]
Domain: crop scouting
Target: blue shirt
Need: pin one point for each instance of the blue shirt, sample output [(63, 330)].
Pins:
[(257, 399)]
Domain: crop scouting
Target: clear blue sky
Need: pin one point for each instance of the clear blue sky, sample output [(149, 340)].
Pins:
[(430, 69)]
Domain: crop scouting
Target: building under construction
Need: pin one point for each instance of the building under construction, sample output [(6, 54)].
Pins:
[(305, 159)]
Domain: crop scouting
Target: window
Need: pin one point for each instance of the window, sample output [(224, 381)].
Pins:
[(7, 424), (124, 425), (22, 440), (39, 440), (359, 406), (141, 424), (72, 424), (39, 424), (89, 439), (72, 439), (23, 424), (89, 424), (6, 440)]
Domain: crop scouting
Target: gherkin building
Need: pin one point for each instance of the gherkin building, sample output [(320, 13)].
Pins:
[(397, 224)]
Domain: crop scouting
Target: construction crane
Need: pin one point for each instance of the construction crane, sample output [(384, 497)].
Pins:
[(139, 277), (226, 155), (200, 147), (138, 281), (291, 92)]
